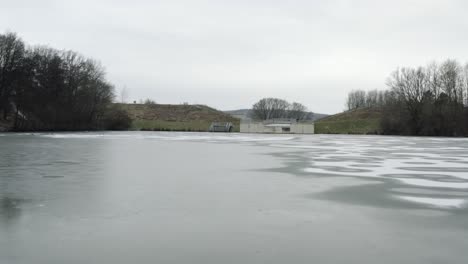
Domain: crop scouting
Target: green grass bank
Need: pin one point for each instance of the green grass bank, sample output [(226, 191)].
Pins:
[(360, 121)]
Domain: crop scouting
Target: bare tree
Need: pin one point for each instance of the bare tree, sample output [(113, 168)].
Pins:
[(372, 98), (409, 84), (465, 83), (381, 98), (451, 80), (268, 108), (11, 58), (356, 99), (433, 79), (432, 99), (297, 111)]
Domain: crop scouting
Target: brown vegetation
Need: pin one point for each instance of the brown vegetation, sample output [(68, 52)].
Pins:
[(175, 117)]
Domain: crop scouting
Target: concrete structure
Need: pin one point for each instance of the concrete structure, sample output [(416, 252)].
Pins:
[(221, 127), (277, 126)]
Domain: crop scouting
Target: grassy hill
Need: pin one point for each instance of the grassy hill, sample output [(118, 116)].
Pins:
[(162, 117), (360, 121)]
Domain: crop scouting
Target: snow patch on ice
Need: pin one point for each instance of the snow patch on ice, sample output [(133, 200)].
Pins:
[(436, 202), (437, 184), (205, 137), (71, 136)]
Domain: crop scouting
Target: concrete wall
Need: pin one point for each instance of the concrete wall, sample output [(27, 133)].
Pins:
[(258, 127), (250, 127), (302, 128)]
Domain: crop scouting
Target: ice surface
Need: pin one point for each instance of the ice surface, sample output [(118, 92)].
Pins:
[(158, 197), (427, 163)]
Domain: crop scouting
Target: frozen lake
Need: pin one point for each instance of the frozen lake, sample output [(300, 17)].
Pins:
[(136, 197)]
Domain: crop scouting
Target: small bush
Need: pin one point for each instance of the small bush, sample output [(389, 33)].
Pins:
[(116, 118)]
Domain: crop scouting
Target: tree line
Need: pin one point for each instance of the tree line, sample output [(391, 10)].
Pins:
[(360, 99), (42, 88), (425, 101), (271, 108)]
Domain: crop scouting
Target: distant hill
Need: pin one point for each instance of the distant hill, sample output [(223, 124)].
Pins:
[(359, 121), (318, 116), (244, 114), (176, 117)]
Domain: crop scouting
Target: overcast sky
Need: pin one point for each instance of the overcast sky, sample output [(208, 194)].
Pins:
[(229, 54)]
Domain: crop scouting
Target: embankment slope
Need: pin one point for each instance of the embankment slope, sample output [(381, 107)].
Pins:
[(359, 121), (164, 117)]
